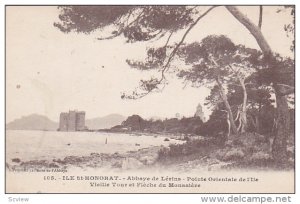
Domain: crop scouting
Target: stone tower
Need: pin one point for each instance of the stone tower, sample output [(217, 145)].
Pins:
[(199, 113), (72, 121)]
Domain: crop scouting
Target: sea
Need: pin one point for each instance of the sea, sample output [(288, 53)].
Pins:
[(38, 145)]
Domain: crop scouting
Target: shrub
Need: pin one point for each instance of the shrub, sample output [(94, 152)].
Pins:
[(188, 148), (234, 154)]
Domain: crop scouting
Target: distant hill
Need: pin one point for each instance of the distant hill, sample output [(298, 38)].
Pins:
[(32, 122), (104, 122)]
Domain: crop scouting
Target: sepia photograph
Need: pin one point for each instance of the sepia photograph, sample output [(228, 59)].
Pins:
[(149, 99)]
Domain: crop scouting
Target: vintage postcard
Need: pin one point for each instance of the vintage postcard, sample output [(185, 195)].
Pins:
[(150, 99)]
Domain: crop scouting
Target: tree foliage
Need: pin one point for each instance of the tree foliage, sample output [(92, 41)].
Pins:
[(136, 23)]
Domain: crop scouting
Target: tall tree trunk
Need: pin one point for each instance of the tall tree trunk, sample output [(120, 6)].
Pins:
[(279, 148), (228, 125), (227, 106), (258, 117), (257, 123), (260, 16), (243, 113)]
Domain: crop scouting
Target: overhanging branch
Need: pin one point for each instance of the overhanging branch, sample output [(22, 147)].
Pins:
[(254, 30), (173, 53), (166, 66), (121, 30)]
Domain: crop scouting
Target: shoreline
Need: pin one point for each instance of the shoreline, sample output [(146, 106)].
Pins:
[(130, 160)]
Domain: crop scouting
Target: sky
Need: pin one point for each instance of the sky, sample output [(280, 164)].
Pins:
[(48, 72)]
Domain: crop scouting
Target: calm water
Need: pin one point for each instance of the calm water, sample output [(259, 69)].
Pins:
[(29, 145)]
